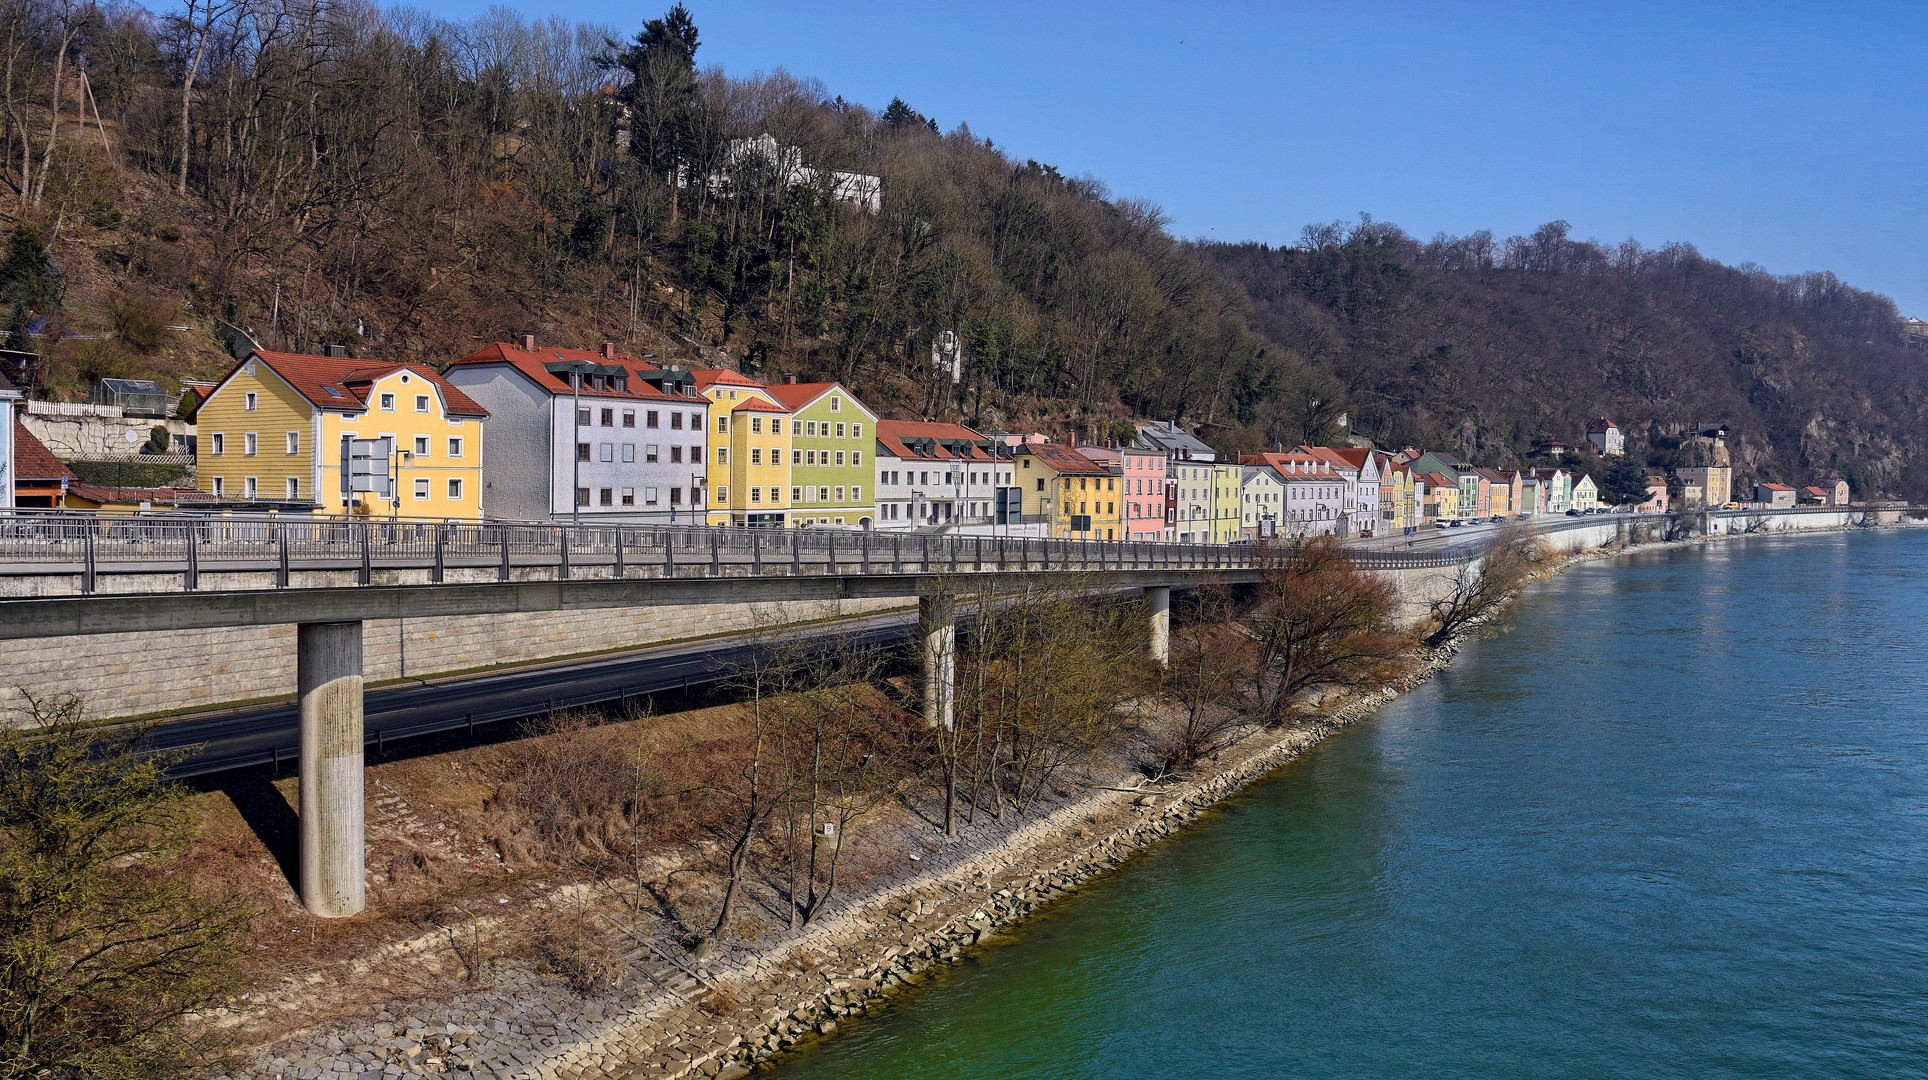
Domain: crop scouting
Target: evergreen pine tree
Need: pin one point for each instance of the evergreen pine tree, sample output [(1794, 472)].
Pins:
[(28, 276)]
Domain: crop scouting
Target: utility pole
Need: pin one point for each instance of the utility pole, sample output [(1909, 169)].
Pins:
[(575, 451)]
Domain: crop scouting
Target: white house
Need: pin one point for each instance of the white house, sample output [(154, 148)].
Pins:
[(933, 475), (1262, 502), (1605, 435)]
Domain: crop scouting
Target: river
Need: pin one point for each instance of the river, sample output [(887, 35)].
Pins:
[(1671, 823)]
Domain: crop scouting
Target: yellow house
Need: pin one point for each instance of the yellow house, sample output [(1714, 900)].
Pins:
[(1075, 497), (749, 451), (278, 429)]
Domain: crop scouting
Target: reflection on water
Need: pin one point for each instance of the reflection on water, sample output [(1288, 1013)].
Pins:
[(1671, 824)]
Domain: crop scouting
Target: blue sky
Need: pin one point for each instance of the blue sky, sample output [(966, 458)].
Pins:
[(1790, 135)]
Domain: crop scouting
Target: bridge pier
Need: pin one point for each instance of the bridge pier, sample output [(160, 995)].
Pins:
[(1159, 597), (937, 630), (334, 863)]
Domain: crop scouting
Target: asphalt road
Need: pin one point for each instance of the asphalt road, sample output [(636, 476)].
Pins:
[(238, 738)]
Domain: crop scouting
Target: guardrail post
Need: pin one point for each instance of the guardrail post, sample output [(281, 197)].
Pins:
[(756, 554), (503, 573), (977, 555), (87, 560), (669, 556), (441, 534), (796, 553), (950, 545), (367, 572), (716, 555), (191, 578), (281, 577), (924, 565), (562, 546), (1000, 553), (896, 553), (863, 548), (830, 559), (621, 570)]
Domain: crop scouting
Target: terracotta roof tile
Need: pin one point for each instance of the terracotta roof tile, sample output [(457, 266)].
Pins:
[(530, 364), (33, 461), (892, 433), (341, 383)]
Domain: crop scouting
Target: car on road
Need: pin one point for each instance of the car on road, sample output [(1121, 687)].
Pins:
[(1576, 513)]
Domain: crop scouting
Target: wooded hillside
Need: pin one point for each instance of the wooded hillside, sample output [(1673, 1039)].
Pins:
[(1484, 348), (412, 187)]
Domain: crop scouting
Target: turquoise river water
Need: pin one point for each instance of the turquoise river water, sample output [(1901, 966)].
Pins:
[(1673, 823)]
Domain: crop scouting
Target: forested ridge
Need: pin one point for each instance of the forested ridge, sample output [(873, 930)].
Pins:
[(1485, 348), (413, 187)]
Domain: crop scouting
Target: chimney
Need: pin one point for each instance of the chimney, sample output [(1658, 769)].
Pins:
[(528, 343), (790, 377), (609, 350)]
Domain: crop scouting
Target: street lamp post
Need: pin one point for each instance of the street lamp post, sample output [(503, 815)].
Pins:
[(575, 451)]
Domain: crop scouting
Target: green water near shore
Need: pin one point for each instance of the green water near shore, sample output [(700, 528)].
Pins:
[(1674, 823)]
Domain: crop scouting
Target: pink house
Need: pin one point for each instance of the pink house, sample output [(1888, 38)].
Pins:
[(1141, 473)]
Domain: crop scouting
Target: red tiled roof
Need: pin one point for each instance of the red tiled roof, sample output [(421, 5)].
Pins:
[(798, 395), (756, 403), (892, 433), (33, 461), (1434, 479), (107, 493), (708, 377), (1299, 462), (531, 364), (1063, 459), (313, 376), (1777, 487)]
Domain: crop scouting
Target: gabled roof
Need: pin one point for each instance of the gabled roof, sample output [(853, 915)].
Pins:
[(1602, 426), (1498, 476), (342, 383), (1062, 459), (33, 461), (918, 441), (1438, 480), (534, 365), (800, 396), (758, 403), (1775, 487), (1294, 467), (708, 377)]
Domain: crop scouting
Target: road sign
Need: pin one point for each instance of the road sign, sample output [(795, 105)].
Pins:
[(368, 466)]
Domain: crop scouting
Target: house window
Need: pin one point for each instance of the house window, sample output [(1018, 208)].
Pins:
[(796, 457), (582, 451), (1040, 483), (776, 496), (809, 457), (629, 451), (856, 457), (836, 404), (840, 428), (219, 486), (649, 496), (388, 402), (608, 451), (823, 494), (840, 455), (756, 494), (455, 447), (650, 419), (217, 442), (421, 402), (629, 417), (294, 487), (582, 496), (722, 456), (722, 425), (857, 493), (582, 418), (609, 418), (606, 496), (675, 420), (421, 446), (756, 457), (629, 496), (421, 488), (248, 401), (248, 444), (248, 487), (455, 490), (810, 429), (294, 442), (796, 494), (756, 425), (856, 431)]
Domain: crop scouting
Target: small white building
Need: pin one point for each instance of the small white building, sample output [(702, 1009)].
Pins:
[(935, 475), (1262, 502), (1605, 436)]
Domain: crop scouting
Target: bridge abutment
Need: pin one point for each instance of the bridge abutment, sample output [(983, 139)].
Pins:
[(334, 863)]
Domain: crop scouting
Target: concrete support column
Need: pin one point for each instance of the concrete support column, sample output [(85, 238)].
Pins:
[(937, 627), (1159, 597), (334, 871)]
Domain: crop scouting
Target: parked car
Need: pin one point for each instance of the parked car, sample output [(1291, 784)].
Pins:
[(1575, 513)]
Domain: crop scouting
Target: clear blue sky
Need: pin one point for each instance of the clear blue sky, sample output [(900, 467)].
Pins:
[(1790, 135)]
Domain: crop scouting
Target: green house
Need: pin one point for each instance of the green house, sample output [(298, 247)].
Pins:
[(832, 434)]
